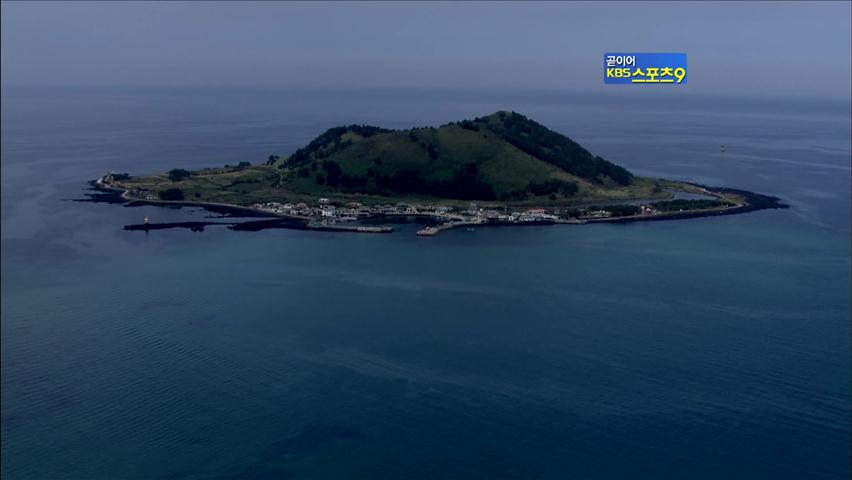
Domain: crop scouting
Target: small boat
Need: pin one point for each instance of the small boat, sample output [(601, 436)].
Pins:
[(723, 148)]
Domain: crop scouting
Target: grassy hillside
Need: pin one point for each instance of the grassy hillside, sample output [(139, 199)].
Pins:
[(504, 157)]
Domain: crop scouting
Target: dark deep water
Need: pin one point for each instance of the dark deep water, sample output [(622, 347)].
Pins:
[(706, 348)]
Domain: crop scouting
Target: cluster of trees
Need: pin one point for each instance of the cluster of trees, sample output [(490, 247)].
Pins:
[(272, 159), (120, 176), (178, 174), (239, 166), (335, 177), (469, 125), (684, 204), (553, 187), (623, 210), (170, 194), (430, 147), (466, 124), (557, 149), (433, 153), (463, 185), (331, 136)]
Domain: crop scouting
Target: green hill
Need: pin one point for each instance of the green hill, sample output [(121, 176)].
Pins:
[(502, 158)]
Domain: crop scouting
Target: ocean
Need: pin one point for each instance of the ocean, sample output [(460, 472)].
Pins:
[(705, 348)]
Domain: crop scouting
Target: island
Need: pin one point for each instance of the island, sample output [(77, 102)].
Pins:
[(500, 169)]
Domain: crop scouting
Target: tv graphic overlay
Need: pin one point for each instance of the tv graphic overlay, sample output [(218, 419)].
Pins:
[(639, 68)]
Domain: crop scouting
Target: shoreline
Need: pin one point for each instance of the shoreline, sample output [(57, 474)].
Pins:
[(752, 202), (209, 206)]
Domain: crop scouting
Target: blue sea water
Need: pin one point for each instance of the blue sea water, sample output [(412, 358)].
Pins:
[(706, 348)]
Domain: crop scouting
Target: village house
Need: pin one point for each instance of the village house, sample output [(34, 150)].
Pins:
[(328, 211), (492, 215), (537, 215)]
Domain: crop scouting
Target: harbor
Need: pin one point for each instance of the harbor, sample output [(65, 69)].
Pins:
[(331, 215)]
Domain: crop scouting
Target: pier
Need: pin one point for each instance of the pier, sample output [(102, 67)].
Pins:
[(347, 228), (432, 231)]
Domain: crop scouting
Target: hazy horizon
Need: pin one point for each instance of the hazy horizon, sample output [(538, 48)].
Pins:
[(735, 49)]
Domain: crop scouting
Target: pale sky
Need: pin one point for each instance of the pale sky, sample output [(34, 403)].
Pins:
[(785, 48)]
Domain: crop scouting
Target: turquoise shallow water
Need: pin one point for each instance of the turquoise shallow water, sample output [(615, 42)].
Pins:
[(704, 348)]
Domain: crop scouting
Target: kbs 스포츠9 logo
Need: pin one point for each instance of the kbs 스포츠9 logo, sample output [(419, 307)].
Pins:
[(644, 68)]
